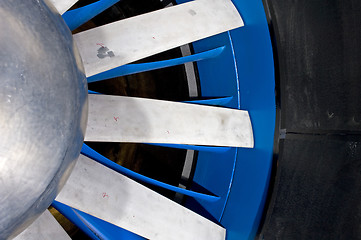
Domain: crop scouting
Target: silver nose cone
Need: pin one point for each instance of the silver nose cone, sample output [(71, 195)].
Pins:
[(43, 110)]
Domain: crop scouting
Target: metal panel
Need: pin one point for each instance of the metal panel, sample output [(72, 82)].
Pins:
[(193, 147), (103, 193), (128, 40), (95, 228), (44, 228), (129, 119), (62, 5)]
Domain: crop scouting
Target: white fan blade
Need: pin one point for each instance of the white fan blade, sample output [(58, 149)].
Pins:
[(62, 5), (141, 120), (128, 40), (44, 228), (103, 193)]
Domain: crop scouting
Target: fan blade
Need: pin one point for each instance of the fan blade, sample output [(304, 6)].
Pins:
[(129, 119), (103, 193), (222, 101), (77, 17), (70, 214), (44, 228), (87, 151), (63, 5), (131, 39), (142, 67), (192, 147)]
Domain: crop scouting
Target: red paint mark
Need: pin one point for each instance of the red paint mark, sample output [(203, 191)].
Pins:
[(116, 119), (105, 195), (100, 44)]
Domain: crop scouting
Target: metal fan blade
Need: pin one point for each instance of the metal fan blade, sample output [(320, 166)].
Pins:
[(128, 40), (44, 228), (129, 119), (103, 193), (63, 5)]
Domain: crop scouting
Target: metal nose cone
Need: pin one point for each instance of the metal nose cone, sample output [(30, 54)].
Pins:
[(43, 110)]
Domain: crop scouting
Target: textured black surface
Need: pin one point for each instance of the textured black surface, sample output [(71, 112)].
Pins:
[(316, 193), (319, 54), (318, 189)]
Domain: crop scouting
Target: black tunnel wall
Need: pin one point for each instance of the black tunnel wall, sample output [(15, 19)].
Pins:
[(316, 192)]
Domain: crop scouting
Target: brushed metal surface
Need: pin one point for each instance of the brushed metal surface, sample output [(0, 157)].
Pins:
[(44, 227), (63, 5), (142, 120), (134, 38), (108, 195), (43, 110)]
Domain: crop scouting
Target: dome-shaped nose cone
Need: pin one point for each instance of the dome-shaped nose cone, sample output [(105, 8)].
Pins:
[(43, 110)]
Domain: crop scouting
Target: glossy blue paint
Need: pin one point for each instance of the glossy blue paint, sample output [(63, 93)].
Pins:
[(96, 231), (95, 228), (222, 101), (69, 213), (142, 67), (89, 152), (92, 92), (77, 17), (254, 59), (214, 173), (245, 71), (106, 230), (218, 78)]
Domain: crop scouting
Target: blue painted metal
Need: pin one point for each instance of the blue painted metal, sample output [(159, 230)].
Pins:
[(218, 76), (87, 151), (98, 233), (92, 92), (142, 67), (69, 213), (223, 101), (95, 228), (77, 17), (217, 79), (106, 230), (246, 71), (193, 147), (254, 59), (213, 172)]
